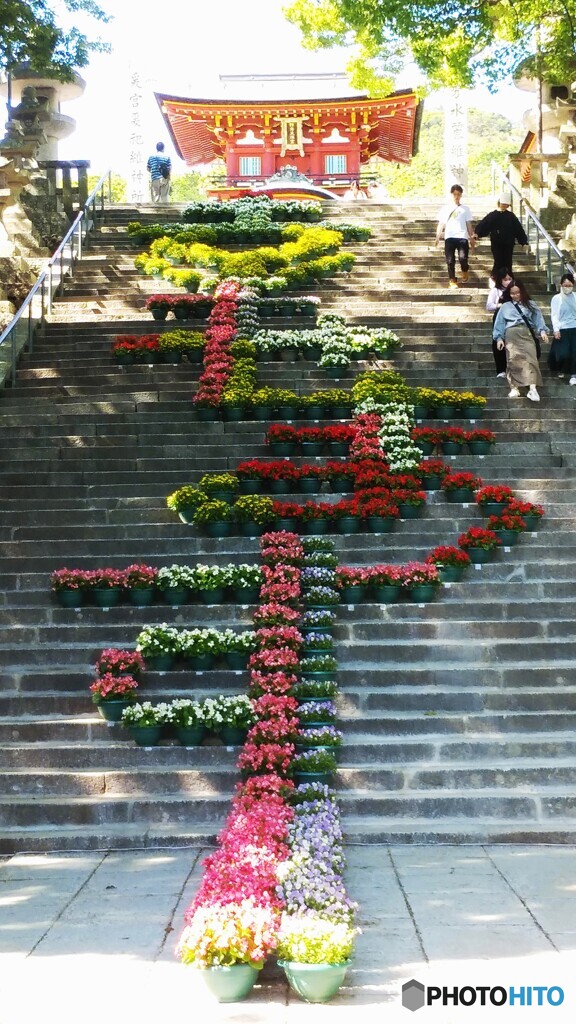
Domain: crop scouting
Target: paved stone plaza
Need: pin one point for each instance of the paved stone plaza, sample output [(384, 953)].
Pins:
[(90, 936)]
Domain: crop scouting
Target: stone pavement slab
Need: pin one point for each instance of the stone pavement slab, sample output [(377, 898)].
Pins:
[(88, 937)]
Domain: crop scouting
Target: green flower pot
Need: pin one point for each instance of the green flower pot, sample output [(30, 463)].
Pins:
[(186, 515), (493, 508), (70, 598), (472, 412), (348, 524), (290, 525), (379, 524), (324, 778), (176, 596), (509, 537), (480, 556), (233, 413), (532, 522), (233, 737), (263, 412), (445, 412), (386, 592), (158, 313), (251, 529), (422, 592), (315, 983), (315, 527), (451, 573), (224, 495), (190, 735), (160, 662), (310, 448), (218, 529), (312, 353), (432, 482), (480, 447), (340, 412), (352, 595), (208, 414), (282, 486), (107, 597), (321, 676), (214, 596), (111, 710), (427, 447), (141, 597), (421, 412), (410, 511), (451, 448), (247, 595), (338, 448), (229, 984), (308, 485), (282, 448), (236, 661), (200, 662), (314, 412), (145, 735), (250, 486)]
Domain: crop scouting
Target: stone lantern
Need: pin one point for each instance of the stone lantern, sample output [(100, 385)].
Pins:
[(49, 94)]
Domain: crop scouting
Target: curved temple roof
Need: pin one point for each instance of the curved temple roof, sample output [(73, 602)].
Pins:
[(200, 129)]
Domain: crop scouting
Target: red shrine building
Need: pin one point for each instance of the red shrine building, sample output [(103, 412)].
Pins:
[(318, 145)]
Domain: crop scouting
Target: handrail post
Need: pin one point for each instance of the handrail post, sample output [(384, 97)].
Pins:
[(30, 331), (42, 311), (50, 287)]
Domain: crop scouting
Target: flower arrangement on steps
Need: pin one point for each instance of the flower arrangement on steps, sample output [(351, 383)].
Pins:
[(274, 885)]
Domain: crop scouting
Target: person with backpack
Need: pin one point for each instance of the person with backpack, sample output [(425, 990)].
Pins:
[(504, 230), (159, 168)]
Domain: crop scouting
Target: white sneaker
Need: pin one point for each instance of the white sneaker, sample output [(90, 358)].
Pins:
[(503, 374), (561, 376), (533, 394), (572, 381), (513, 393)]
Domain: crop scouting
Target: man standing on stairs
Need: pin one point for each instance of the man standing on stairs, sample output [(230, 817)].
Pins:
[(159, 167), (455, 227)]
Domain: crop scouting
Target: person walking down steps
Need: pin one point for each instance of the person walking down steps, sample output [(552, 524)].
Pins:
[(159, 168), (518, 327), (504, 230), (562, 358), (502, 280), (455, 227)]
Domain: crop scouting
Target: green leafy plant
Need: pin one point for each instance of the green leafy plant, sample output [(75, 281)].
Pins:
[(313, 939)]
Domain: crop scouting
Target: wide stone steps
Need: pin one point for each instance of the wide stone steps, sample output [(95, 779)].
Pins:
[(458, 715)]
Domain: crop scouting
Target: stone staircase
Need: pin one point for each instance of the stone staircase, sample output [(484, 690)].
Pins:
[(459, 715)]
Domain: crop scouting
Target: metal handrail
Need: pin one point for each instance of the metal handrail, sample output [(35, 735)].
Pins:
[(60, 265), (531, 224)]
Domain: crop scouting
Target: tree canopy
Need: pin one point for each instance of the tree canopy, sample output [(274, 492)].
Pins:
[(32, 33), (455, 44)]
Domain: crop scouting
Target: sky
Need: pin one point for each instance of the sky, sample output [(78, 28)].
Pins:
[(182, 52)]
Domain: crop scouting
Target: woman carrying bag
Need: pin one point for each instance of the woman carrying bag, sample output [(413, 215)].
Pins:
[(518, 328), (562, 358)]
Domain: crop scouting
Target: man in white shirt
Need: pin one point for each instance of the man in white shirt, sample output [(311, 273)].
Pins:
[(455, 227)]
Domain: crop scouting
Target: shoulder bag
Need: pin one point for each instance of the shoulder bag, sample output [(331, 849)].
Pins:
[(535, 336)]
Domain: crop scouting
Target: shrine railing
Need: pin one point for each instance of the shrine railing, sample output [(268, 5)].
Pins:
[(19, 334), (544, 249)]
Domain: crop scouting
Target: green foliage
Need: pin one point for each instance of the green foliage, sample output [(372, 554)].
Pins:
[(491, 137), (453, 44), (31, 32), (188, 187), (117, 187)]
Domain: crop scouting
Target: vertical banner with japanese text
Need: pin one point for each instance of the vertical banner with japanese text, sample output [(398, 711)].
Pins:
[(455, 138), (137, 176)]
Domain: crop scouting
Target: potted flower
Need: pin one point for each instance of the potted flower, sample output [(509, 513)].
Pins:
[(353, 583), (312, 713), (531, 513), (314, 766), (471, 405), (420, 580), (431, 473), (146, 721), (219, 486), (460, 486), (410, 503), (385, 582), (113, 694), (214, 517), (325, 735), (140, 582), (185, 501), (175, 583), (119, 662), (232, 718), (254, 513), (508, 526), (315, 953), (71, 586), (480, 442), (228, 943), (426, 438), (159, 305), (494, 499), (282, 439), (314, 643), (189, 721), (315, 689), (107, 586), (321, 597), (318, 667), (452, 440), (450, 561), (159, 646), (479, 544)]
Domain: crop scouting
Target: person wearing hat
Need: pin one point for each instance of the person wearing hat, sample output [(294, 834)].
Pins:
[(504, 230)]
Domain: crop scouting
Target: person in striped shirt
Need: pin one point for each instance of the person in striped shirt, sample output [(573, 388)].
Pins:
[(159, 168)]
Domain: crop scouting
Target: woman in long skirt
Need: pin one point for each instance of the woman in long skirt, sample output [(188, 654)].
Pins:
[(518, 322)]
